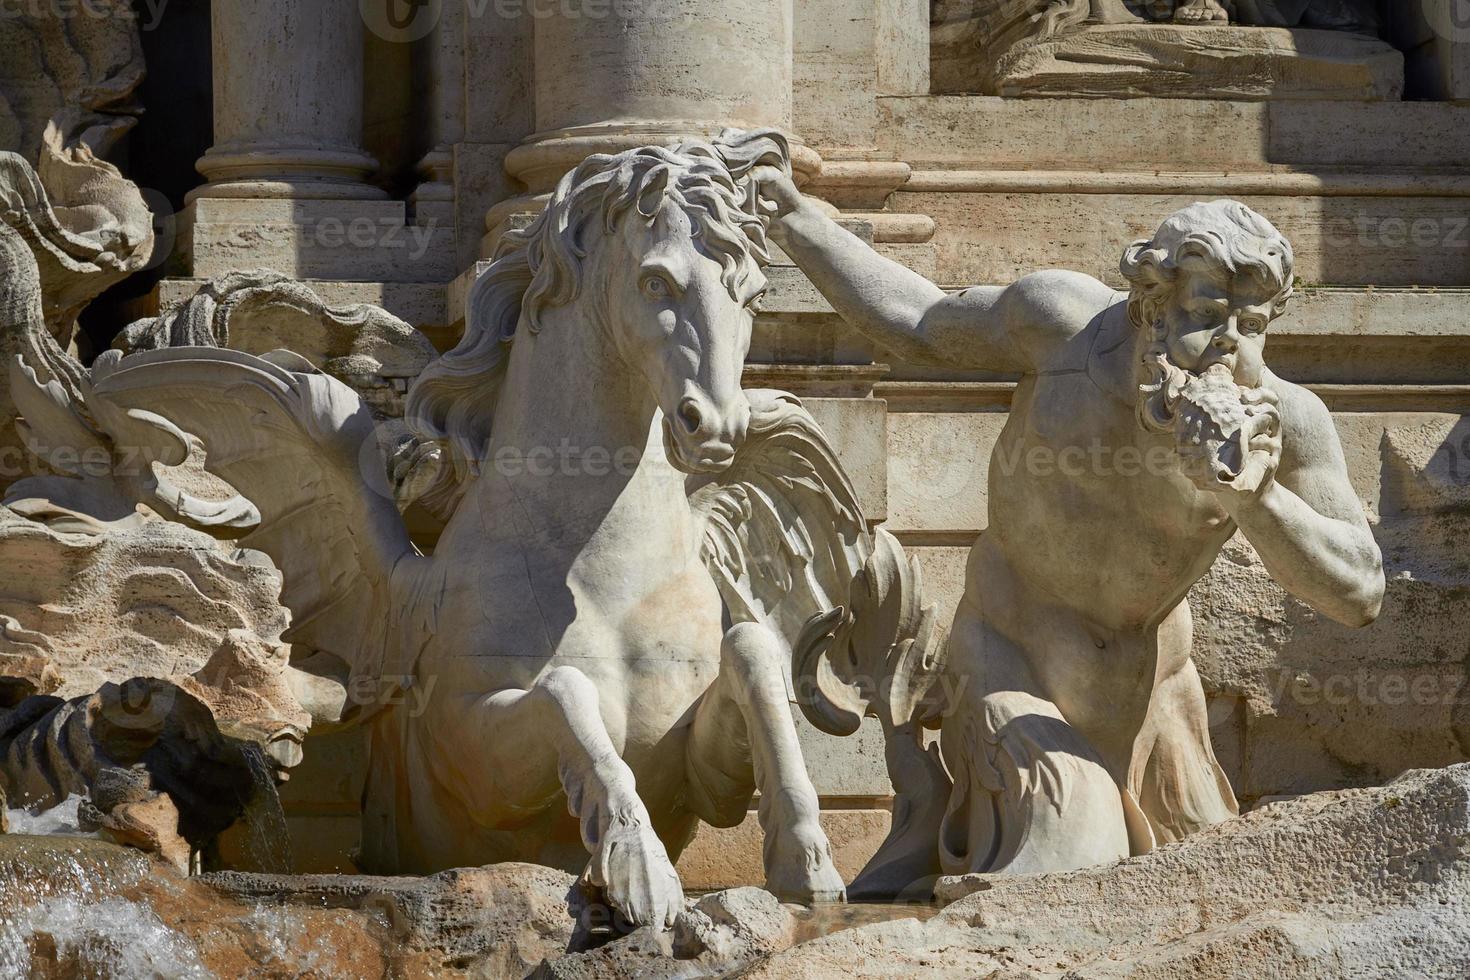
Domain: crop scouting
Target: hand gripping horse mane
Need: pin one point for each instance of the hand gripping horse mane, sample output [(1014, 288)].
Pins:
[(636, 544)]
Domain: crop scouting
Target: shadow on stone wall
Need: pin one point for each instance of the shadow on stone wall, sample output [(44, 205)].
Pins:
[(1299, 703)]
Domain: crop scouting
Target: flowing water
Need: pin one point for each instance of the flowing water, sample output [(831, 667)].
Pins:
[(72, 921), (825, 918), (267, 836), (76, 907)]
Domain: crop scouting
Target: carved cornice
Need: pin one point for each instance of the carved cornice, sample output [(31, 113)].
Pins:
[(1268, 183), (993, 396)]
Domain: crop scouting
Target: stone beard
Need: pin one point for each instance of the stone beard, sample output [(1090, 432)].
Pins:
[(1212, 415)]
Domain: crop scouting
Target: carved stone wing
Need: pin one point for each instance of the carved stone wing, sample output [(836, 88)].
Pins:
[(302, 447), (788, 546)]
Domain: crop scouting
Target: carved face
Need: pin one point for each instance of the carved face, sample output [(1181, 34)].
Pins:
[(1215, 318), (675, 319)]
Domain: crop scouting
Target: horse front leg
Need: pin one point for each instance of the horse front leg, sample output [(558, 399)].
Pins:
[(743, 737), (551, 736)]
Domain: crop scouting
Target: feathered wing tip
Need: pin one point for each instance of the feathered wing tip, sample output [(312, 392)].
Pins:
[(787, 544), (783, 533), (881, 656)]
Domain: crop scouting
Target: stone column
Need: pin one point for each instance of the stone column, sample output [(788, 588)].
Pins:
[(613, 74), (287, 102), (442, 55)]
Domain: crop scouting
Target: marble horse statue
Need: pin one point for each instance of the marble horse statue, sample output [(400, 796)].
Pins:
[(598, 645)]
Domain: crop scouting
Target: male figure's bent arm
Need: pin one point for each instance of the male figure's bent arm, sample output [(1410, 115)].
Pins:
[(1308, 525)]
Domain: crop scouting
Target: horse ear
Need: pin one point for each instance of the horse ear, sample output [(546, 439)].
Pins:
[(653, 191)]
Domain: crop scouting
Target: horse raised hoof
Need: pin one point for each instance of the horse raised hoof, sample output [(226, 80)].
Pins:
[(799, 867), (636, 877)]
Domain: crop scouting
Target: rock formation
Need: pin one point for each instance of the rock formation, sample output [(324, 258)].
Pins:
[(1350, 883)]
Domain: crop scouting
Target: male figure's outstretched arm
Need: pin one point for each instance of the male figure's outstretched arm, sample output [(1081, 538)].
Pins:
[(999, 328)]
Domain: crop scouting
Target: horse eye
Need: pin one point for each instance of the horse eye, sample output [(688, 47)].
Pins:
[(655, 286)]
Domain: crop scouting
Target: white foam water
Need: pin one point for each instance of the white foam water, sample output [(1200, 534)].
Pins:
[(113, 938), (88, 933), (59, 821)]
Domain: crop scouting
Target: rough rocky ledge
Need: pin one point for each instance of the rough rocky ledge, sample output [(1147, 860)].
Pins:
[(1371, 882)]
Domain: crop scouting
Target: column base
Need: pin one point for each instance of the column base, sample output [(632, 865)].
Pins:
[(434, 198), (541, 160), (286, 171), (544, 158)]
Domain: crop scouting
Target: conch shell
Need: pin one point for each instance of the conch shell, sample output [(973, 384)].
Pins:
[(1216, 420)]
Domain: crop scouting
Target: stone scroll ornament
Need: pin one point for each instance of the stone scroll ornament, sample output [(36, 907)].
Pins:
[(598, 646), (67, 95)]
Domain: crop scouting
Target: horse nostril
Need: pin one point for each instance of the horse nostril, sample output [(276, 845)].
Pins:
[(690, 415)]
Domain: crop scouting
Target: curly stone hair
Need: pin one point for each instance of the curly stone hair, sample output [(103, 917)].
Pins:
[(1225, 233)]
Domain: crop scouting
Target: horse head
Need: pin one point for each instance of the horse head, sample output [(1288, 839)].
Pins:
[(663, 247)]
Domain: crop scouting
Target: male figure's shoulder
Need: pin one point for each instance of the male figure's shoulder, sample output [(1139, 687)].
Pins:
[(1307, 430), (1021, 326), (1301, 408), (1047, 309)]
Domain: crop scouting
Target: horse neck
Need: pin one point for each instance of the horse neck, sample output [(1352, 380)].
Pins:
[(568, 391)]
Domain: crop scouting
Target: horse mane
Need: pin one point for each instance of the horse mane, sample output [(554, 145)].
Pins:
[(540, 267)]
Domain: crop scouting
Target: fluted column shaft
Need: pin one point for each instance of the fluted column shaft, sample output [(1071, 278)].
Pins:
[(288, 83), (620, 73)]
